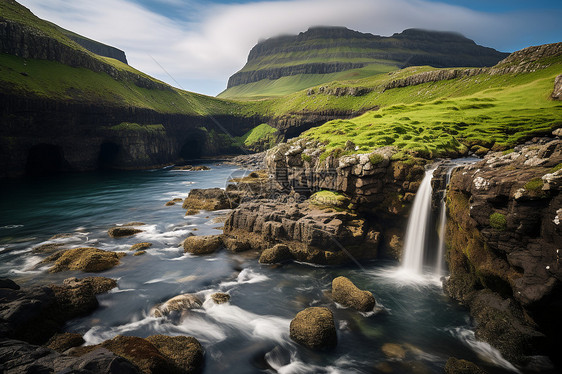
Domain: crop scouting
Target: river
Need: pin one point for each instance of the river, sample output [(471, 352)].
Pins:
[(251, 332)]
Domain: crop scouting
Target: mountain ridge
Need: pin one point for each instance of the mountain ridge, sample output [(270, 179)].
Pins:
[(323, 50)]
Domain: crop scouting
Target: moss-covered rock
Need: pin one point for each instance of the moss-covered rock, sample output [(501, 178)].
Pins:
[(202, 245), (458, 366), (279, 253), (220, 298), (64, 341), (140, 246), (347, 294), (87, 259), (184, 351), (314, 328), (122, 231)]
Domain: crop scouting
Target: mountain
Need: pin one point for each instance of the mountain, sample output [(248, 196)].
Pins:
[(287, 64), (67, 108)]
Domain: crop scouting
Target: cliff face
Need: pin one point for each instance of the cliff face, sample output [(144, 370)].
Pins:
[(503, 245), (332, 49)]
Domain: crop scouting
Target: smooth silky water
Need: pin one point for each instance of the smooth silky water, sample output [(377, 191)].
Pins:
[(249, 334)]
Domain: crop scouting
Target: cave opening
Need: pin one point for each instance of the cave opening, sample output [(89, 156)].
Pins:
[(108, 155), (44, 159), (192, 147)]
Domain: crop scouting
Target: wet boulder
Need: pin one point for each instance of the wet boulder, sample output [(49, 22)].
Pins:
[(457, 366), (277, 254), (184, 351), (87, 259), (211, 199), (314, 328), (65, 341), (202, 245), (140, 246), (122, 231), (220, 298), (180, 303), (347, 294)]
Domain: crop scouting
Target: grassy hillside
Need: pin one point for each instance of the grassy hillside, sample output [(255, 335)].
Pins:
[(447, 117)]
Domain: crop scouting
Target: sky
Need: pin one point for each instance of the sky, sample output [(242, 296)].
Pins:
[(196, 45)]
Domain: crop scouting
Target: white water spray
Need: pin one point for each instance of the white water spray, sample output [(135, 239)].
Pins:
[(418, 223)]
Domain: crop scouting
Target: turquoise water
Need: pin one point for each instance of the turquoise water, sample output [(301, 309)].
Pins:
[(250, 334)]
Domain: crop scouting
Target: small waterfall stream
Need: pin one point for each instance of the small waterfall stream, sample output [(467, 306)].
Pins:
[(416, 233), (439, 270)]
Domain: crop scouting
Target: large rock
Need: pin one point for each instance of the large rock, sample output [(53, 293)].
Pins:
[(202, 245), (457, 366), (311, 233), (347, 294), (211, 199), (21, 357), (314, 328), (122, 231), (87, 259), (35, 314), (557, 92), (180, 303), (185, 351), (276, 254), (62, 342), (504, 235)]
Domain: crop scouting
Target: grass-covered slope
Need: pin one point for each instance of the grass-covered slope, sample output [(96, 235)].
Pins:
[(495, 108), (282, 65)]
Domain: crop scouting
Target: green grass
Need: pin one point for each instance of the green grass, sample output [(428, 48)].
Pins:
[(128, 126), (446, 118), (330, 199), (260, 133), (286, 85)]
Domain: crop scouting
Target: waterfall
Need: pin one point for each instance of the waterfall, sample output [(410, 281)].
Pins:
[(416, 234), (442, 224)]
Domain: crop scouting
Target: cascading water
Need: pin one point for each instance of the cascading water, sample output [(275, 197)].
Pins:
[(442, 222), (416, 233)]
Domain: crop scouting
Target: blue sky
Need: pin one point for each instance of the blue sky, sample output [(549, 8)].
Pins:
[(197, 45)]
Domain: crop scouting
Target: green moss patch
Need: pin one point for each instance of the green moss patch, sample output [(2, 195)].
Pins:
[(498, 221), (330, 199)]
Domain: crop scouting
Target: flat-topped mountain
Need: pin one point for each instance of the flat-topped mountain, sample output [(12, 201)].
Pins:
[(324, 54)]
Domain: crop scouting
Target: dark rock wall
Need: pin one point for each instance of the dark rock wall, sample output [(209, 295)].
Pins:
[(503, 239), (82, 135), (100, 48)]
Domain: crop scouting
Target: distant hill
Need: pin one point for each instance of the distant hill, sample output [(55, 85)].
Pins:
[(286, 64)]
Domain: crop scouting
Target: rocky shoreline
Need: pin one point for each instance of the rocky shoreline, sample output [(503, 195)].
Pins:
[(503, 231)]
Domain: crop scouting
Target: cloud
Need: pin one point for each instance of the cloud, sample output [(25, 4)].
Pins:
[(202, 45)]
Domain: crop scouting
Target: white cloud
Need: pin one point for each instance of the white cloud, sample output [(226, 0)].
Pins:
[(202, 54)]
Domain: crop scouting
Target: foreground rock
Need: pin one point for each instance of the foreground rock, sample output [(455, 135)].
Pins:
[(456, 366), (21, 357), (180, 303), (211, 199), (277, 254), (87, 259), (202, 245), (312, 234), (504, 232), (347, 294), (122, 231), (65, 341), (314, 328), (220, 298), (35, 314)]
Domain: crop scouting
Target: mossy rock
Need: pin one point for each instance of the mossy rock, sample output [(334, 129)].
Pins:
[(122, 231), (347, 294), (498, 221), (314, 328), (184, 351), (64, 341), (87, 259), (330, 199), (220, 298), (140, 246), (277, 254), (457, 366)]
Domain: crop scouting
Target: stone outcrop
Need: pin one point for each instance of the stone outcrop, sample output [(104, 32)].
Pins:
[(211, 199), (557, 92), (310, 233), (35, 314), (314, 328), (457, 366), (21, 357), (347, 294), (87, 259), (202, 245), (504, 237)]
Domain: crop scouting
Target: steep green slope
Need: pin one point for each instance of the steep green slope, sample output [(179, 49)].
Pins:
[(285, 64), (490, 110)]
